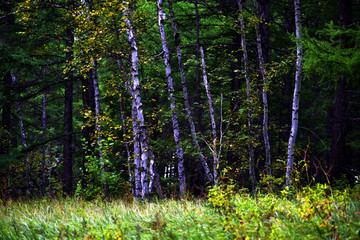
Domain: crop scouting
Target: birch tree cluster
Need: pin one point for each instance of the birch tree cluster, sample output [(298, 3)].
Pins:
[(166, 98)]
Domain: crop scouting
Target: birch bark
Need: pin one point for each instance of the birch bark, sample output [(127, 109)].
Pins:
[(137, 178), (95, 82), (120, 65), (296, 97), (23, 135), (265, 124), (248, 98), (208, 176), (94, 77), (88, 129), (44, 174), (176, 130), (138, 117), (126, 143), (212, 117)]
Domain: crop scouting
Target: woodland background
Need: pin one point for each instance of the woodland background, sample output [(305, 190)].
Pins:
[(88, 107)]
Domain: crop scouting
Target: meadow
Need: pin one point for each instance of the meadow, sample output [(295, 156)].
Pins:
[(312, 213)]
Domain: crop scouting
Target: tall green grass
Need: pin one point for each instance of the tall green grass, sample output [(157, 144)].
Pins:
[(313, 213), (77, 219)]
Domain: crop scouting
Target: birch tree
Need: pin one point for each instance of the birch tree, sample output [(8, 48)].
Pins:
[(170, 84), (213, 148), (265, 124), (141, 144), (23, 135), (95, 82), (44, 174), (248, 97), (208, 175), (296, 97)]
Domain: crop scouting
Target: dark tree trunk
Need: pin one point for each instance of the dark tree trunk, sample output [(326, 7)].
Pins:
[(264, 29), (68, 126), (6, 115), (6, 105), (88, 130), (340, 109), (248, 99)]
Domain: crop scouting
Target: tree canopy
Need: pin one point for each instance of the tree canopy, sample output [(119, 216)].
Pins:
[(168, 97)]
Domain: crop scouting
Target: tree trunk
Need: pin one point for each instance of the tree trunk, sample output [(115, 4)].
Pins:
[(88, 129), (338, 158), (6, 116), (208, 175), (68, 127), (296, 98), (264, 13), (176, 130), (264, 97), (6, 105), (197, 99), (126, 143), (44, 174), (120, 65), (23, 135), (94, 77), (212, 118), (139, 127), (248, 98)]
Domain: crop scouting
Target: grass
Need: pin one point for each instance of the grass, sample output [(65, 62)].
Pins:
[(311, 214), (77, 219)]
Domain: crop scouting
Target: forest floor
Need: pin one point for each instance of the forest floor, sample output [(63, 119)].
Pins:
[(313, 213)]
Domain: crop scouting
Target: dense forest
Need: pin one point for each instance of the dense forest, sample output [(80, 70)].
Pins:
[(165, 98)]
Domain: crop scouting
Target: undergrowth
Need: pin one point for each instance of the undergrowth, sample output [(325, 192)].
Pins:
[(312, 213)]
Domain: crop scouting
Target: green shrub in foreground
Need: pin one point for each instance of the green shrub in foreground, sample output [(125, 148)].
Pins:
[(315, 213)]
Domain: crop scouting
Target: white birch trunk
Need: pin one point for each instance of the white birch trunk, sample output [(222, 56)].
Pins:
[(166, 55), (44, 173), (265, 100), (248, 98), (94, 77), (212, 117), (126, 143), (127, 86), (43, 161), (296, 97), (136, 143), (98, 120), (23, 136), (209, 177), (138, 122)]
